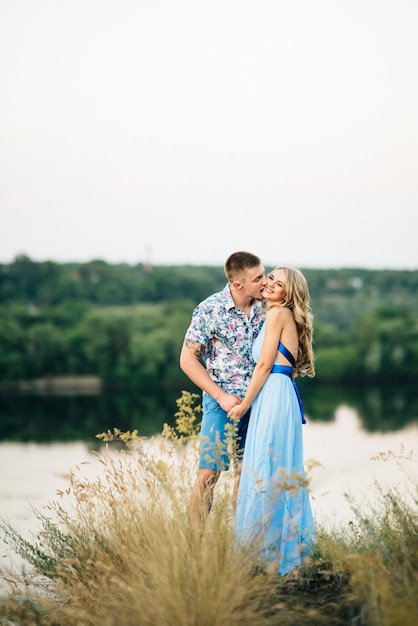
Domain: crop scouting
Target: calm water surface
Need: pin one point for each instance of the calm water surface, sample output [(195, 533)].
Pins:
[(346, 472)]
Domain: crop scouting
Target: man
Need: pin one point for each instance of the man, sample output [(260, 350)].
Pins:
[(221, 333)]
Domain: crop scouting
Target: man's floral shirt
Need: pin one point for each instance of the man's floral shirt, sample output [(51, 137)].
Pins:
[(227, 336)]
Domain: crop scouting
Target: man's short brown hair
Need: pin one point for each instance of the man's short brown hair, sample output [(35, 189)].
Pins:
[(239, 261)]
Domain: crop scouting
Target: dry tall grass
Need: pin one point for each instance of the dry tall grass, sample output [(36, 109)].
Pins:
[(118, 548), (379, 553), (121, 548)]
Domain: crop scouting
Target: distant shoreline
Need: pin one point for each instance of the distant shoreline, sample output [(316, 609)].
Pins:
[(56, 385)]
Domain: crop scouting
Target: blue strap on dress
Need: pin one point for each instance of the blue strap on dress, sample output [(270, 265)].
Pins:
[(287, 371)]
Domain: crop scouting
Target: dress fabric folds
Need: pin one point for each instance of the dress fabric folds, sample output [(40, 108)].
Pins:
[(273, 509)]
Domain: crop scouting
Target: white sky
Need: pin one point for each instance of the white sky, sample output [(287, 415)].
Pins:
[(178, 131)]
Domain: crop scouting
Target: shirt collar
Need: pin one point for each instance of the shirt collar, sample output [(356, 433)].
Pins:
[(229, 302), (226, 294)]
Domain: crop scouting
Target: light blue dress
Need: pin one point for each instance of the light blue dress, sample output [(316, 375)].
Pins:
[(273, 509)]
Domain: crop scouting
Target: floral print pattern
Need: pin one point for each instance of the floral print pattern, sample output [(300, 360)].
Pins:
[(226, 335)]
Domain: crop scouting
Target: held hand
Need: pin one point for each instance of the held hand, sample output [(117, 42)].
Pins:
[(229, 401), (237, 412)]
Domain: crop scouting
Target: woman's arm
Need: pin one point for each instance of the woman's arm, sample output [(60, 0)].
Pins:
[(275, 321)]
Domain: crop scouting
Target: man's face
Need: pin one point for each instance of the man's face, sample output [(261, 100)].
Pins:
[(253, 281)]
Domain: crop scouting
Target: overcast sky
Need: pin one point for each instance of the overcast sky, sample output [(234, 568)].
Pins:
[(178, 131)]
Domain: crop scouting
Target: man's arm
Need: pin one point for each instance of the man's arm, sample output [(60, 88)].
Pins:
[(190, 356)]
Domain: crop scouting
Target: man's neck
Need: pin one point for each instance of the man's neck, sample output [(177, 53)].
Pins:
[(242, 302)]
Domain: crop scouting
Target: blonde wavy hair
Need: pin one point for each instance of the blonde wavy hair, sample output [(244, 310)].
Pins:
[(298, 301)]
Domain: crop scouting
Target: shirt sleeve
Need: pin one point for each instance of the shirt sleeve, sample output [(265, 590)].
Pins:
[(199, 329)]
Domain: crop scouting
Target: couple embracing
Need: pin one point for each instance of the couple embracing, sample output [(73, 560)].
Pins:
[(244, 348)]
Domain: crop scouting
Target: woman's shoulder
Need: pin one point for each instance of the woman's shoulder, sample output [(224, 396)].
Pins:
[(279, 312), (278, 318)]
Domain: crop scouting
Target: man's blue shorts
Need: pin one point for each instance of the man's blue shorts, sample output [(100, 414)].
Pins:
[(221, 439)]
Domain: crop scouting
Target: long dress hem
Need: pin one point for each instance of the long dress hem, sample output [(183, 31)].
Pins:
[(273, 510)]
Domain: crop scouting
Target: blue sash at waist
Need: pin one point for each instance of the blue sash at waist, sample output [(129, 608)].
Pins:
[(287, 371)]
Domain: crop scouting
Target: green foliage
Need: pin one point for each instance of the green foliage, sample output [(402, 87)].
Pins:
[(337, 363), (126, 324), (100, 283), (388, 341), (131, 346)]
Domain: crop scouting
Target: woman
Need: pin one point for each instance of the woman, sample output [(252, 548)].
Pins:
[(273, 505)]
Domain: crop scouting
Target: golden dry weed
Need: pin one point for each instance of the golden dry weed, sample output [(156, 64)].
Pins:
[(118, 548)]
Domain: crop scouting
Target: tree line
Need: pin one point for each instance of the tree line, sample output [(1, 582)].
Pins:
[(126, 323)]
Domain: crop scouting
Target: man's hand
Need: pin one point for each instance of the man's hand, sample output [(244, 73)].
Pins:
[(227, 401)]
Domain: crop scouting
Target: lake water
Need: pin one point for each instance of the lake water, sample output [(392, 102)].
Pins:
[(347, 471), (31, 473)]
